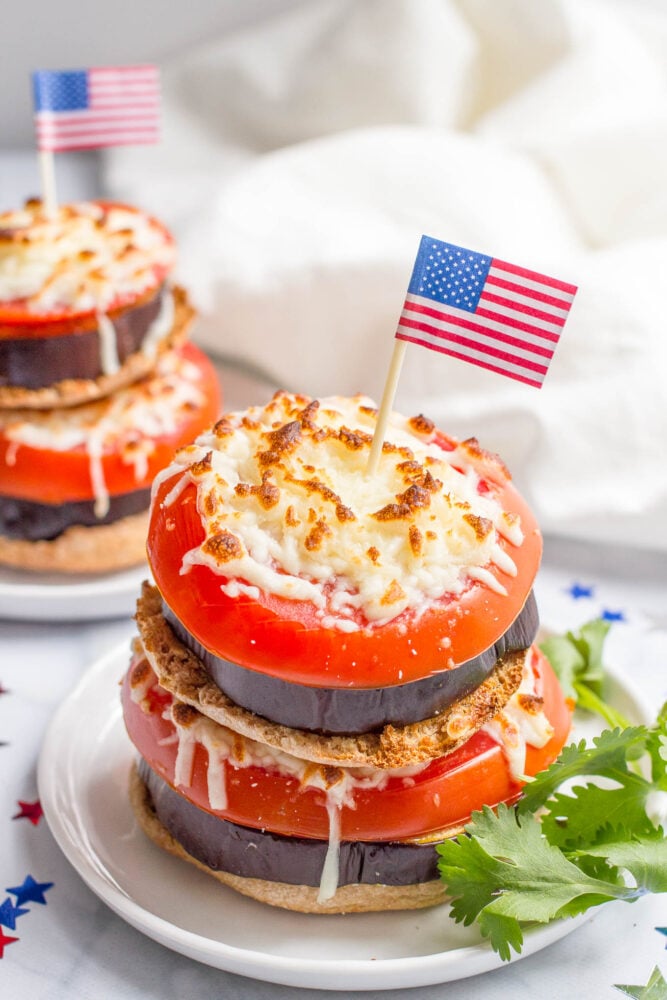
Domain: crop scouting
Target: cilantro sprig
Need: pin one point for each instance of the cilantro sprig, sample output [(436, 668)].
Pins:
[(593, 843), (576, 658)]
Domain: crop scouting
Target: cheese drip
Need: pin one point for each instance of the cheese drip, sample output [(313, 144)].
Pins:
[(106, 332), (227, 749), (286, 507), (128, 422), (521, 722)]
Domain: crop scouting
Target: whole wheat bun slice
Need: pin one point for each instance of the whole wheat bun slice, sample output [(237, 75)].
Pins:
[(99, 548), (300, 898), (181, 673)]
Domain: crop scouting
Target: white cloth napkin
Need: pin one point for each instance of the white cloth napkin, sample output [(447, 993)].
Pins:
[(304, 156)]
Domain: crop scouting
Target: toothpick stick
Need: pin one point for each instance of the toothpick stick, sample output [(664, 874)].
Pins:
[(48, 174), (386, 405)]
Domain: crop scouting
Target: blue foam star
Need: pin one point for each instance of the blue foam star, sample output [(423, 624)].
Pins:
[(577, 591), (662, 930), (612, 616), (9, 913), (30, 891)]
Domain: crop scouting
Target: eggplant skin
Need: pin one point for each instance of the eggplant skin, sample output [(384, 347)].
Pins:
[(38, 362), (221, 845), (32, 521), (348, 711)]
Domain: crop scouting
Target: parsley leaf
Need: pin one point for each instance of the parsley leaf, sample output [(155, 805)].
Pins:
[(576, 658), (593, 844), (509, 867), (606, 757), (569, 823), (644, 858)]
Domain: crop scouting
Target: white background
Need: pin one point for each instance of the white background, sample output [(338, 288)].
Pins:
[(76, 33)]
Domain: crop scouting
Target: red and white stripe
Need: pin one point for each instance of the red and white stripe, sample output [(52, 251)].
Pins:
[(124, 108), (513, 331)]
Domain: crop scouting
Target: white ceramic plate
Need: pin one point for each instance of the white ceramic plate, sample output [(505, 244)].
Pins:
[(83, 776), (54, 597)]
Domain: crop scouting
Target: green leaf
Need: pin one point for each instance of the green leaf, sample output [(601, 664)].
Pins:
[(471, 876), (599, 868), (606, 758), (576, 658), (645, 858), (657, 748), (655, 989), (587, 699), (661, 721), (511, 868), (578, 817), (590, 642), (505, 873), (566, 661)]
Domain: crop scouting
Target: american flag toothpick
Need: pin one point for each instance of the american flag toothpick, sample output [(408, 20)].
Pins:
[(90, 108), (479, 309)]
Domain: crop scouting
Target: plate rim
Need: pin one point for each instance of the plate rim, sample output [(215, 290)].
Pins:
[(61, 599), (352, 974)]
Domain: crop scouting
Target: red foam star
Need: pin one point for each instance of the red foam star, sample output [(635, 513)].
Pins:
[(30, 810), (3, 690), (4, 940)]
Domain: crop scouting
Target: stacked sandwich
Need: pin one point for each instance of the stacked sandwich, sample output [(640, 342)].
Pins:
[(334, 669), (98, 382)]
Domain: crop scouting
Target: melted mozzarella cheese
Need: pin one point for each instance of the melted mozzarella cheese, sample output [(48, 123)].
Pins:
[(128, 422), (521, 723), (108, 345), (223, 745), (287, 507), (85, 258), (225, 748)]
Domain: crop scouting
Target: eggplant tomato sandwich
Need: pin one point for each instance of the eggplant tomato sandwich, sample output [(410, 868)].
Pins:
[(333, 670), (75, 481), (98, 383), (86, 302)]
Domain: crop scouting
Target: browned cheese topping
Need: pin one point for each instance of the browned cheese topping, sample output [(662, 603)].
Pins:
[(288, 507)]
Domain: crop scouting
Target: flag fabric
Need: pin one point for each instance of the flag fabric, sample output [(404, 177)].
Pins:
[(484, 311), (99, 106)]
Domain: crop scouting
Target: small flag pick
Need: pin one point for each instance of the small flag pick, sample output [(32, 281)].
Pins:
[(479, 309), (90, 108)]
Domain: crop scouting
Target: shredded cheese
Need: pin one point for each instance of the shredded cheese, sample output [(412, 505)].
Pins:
[(286, 507), (227, 749), (87, 257), (128, 422)]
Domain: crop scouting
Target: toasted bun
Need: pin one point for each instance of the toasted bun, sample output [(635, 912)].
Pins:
[(71, 392), (98, 549), (181, 672), (302, 898)]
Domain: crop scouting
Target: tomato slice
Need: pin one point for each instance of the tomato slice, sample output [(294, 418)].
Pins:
[(441, 796), (285, 638), (16, 320), (18, 324), (50, 475)]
